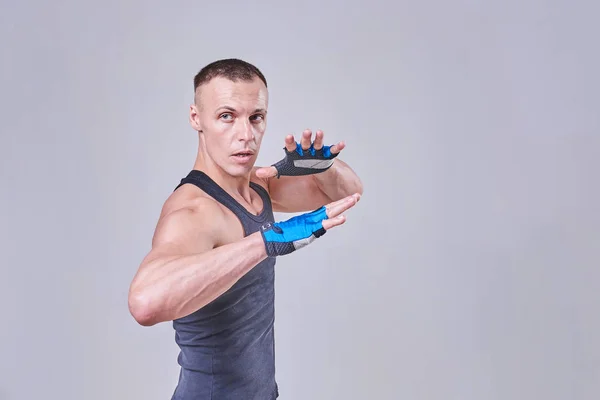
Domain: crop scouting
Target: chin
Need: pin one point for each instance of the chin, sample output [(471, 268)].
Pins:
[(239, 171)]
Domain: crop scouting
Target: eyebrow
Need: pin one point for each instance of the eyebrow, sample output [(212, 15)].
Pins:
[(228, 108)]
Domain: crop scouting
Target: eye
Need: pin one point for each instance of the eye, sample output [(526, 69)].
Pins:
[(226, 116), (257, 117)]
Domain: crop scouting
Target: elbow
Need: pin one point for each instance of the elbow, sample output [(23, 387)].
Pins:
[(358, 186), (141, 309)]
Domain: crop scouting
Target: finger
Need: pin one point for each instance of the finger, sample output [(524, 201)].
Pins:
[(318, 144), (306, 139), (290, 143), (266, 172), (336, 148), (330, 223), (336, 208), (355, 196), (343, 200)]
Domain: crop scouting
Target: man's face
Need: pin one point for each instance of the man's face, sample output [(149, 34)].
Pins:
[(231, 119)]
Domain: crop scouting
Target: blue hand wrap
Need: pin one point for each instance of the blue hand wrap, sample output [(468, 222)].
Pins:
[(305, 162), (285, 237)]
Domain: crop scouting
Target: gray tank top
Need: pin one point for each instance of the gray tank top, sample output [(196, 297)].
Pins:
[(227, 348)]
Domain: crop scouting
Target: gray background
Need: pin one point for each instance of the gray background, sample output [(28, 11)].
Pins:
[(470, 270)]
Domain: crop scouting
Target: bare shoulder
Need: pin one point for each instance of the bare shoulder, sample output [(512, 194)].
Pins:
[(188, 222)]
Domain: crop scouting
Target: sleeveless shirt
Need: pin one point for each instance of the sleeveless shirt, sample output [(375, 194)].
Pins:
[(227, 348)]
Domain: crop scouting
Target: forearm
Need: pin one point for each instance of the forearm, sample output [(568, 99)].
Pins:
[(167, 289), (338, 181)]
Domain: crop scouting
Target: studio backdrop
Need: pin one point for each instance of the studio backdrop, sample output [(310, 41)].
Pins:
[(470, 270)]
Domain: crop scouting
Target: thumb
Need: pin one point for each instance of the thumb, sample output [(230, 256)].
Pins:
[(266, 172)]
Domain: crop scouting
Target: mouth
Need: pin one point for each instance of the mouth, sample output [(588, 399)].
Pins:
[(244, 154), (243, 157)]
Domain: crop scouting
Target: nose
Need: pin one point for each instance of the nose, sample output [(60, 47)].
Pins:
[(245, 131)]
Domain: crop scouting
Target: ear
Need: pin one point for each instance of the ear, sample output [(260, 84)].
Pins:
[(195, 118)]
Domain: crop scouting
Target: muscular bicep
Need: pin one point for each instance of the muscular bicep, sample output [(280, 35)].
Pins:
[(296, 194), (179, 234)]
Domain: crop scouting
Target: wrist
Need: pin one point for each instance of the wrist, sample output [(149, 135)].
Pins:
[(257, 242), (327, 177)]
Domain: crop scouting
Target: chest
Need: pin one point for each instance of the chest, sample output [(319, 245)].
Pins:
[(236, 225)]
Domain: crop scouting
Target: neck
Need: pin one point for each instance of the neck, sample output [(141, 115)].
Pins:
[(236, 186)]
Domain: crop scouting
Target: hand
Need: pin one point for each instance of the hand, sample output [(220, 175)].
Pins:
[(304, 158), (282, 238)]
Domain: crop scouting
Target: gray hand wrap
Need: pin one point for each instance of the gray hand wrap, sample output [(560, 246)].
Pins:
[(305, 162)]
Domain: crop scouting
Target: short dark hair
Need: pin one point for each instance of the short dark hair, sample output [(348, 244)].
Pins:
[(231, 68)]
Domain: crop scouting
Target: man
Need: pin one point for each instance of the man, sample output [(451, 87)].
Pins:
[(211, 266)]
